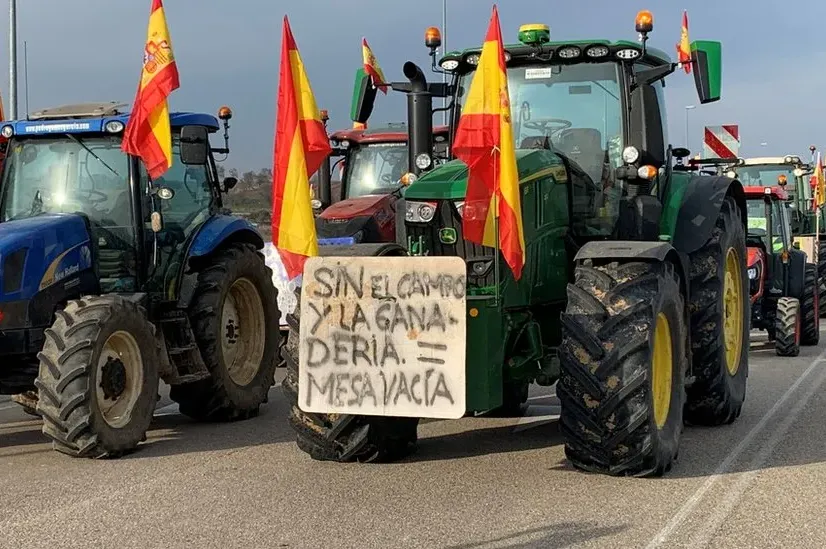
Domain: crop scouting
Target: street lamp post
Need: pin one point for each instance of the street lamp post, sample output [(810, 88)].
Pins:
[(687, 108), (12, 59)]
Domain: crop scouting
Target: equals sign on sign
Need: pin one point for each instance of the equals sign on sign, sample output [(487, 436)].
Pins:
[(432, 347)]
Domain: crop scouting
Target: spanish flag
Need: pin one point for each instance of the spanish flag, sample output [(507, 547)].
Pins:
[(820, 183), (147, 132), (684, 47), (484, 141), (301, 145), (371, 67)]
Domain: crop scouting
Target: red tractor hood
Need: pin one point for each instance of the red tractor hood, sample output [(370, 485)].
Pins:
[(356, 207), (755, 255)]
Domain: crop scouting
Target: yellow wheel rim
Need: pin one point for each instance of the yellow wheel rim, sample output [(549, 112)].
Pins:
[(661, 368), (733, 311)]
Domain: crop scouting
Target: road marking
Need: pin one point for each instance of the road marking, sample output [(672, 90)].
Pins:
[(745, 479), (541, 397), (726, 464), (8, 406)]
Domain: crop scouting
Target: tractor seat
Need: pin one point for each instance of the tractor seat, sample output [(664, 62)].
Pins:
[(584, 146)]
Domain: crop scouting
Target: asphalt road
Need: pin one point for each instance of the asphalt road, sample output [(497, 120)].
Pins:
[(475, 483)]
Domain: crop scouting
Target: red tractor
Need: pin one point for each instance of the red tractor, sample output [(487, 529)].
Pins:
[(374, 170), (782, 282)]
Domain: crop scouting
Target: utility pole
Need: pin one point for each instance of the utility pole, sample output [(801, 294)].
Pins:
[(13, 59)]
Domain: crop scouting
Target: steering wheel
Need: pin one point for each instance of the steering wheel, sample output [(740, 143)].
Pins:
[(86, 194), (547, 126)]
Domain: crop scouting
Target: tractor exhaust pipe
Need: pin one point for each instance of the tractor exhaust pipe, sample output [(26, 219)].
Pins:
[(419, 116)]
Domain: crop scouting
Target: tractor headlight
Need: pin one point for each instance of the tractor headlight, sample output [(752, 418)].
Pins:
[(114, 126), (420, 212), (460, 208), (628, 54), (7, 131), (569, 52), (752, 273), (423, 161), (630, 155), (597, 51), (450, 64)]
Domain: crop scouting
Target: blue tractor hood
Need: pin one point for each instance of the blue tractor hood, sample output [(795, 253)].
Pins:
[(40, 251)]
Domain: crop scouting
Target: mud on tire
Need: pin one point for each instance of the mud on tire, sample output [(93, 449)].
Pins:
[(609, 418), (342, 438), (239, 383), (716, 396), (75, 386), (787, 327), (810, 308)]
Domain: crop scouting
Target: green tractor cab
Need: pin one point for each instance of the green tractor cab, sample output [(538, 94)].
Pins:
[(111, 281), (633, 299)]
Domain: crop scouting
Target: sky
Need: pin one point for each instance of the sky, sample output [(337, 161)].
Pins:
[(774, 57)]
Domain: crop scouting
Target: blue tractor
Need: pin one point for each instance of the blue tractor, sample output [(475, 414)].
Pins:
[(111, 281)]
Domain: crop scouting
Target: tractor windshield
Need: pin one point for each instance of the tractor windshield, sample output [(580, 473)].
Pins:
[(758, 216), (375, 168), (575, 109), (765, 176), (67, 174)]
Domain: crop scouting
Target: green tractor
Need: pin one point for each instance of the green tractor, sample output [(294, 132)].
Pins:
[(807, 229), (634, 296)]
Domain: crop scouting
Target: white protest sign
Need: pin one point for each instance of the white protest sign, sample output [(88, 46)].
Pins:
[(286, 288), (383, 336)]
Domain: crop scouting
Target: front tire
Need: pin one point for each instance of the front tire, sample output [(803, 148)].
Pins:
[(234, 317), (787, 327), (810, 307), (720, 310), (98, 378), (623, 361), (342, 438)]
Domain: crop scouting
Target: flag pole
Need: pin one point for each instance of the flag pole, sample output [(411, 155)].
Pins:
[(496, 248)]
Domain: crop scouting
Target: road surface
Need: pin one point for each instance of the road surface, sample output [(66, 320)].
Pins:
[(475, 483)]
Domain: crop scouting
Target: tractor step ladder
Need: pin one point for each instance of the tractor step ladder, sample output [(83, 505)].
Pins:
[(185, 360)]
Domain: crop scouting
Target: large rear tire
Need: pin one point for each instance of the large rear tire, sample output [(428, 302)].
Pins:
[(98, 379), (810, 307), (234, 317), (787, 327), (720, 313), (342, 438), (623, 360)]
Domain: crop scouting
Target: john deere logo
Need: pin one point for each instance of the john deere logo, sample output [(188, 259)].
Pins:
[(447, 235)]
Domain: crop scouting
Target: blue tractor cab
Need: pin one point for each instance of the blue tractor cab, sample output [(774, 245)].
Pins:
[(110, 281)]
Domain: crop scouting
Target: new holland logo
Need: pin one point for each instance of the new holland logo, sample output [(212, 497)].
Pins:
[(447, 235)]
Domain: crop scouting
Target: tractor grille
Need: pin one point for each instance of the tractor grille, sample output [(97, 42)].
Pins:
[(479, 258)]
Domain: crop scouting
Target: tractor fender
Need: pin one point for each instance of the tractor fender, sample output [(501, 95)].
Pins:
[(797, 273), (213, 235), (222, 229), (639, 250), (701, 202)]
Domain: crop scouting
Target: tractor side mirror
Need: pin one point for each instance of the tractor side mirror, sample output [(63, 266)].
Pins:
[(707, 61), (194, 145), (229, 183), (364, 95)]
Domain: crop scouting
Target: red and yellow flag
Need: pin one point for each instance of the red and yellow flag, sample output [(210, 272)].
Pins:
[(684, 47), (484, 141), (148, 133), (301, 145), (371, 67), (820, 183)]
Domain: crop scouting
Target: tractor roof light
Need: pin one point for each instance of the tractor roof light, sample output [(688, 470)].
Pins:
[(449, 64), (569, 52), (323, 115), (534, 34), (432, 37), (767, 191), (597, 51), (407, 179), (114, 126), (781, 179), (7, 131), (630, 154), (224, 113), (644, 22)]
